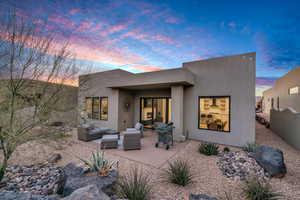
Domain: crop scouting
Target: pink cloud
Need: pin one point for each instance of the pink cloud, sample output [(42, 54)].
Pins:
[(74, 11), (164, 38), (84, 25), (38, 21), (135, 35), (61, 20), (113, 29), (148, 68), (172, 20)]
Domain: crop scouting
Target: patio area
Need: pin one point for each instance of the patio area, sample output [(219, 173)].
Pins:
[(149, 154)]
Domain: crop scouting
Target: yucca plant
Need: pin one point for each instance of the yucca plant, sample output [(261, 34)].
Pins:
[(135, 185), (99, 164), (256, 189), (178, 172), (250, 147), (208, 149)]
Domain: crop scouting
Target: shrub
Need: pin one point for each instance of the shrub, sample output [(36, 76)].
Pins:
[(256, 189), (226, 149), (208, 149), (99, 164), (179, 172), (250, 147), (134, 186)]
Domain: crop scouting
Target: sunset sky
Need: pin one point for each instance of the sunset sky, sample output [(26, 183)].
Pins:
[(138, 36)]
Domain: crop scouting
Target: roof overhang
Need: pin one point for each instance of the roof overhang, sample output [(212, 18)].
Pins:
[(155, 80)]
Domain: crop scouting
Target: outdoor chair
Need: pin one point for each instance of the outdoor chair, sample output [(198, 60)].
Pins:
[(131, 140), (138, 128)]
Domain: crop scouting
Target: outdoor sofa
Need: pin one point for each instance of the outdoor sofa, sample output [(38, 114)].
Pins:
[(87, 132)]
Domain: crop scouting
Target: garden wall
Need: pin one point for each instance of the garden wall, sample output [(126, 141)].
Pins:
[(286, 124)]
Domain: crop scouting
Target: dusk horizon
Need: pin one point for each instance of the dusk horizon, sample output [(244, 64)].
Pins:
[(141, 36)]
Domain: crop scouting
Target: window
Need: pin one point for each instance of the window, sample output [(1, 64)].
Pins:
[(294, 90), (214, 113), (104, 108), (97, 107)]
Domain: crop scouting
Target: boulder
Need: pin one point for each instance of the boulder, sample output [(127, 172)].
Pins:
[(26, 196), (201, 197), (54, 158), (90, 192), (271, 159), (78, 179)]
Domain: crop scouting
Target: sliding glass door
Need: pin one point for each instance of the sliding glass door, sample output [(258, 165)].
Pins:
[(155, 110)]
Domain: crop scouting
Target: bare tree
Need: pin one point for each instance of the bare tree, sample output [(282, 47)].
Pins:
[(34, 68)]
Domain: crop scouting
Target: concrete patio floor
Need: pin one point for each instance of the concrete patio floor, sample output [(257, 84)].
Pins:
[(149, 154)]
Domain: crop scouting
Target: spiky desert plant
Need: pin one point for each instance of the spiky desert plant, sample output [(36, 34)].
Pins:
[(255, 189), (135, 185), (250, 147), (208, 149), (178, 172), (98, 163)]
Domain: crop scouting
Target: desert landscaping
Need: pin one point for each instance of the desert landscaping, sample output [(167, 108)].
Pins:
[(208, 178)]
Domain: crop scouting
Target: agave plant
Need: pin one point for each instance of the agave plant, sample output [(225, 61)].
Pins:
[(208, 149), (99, 164), (256, 189)]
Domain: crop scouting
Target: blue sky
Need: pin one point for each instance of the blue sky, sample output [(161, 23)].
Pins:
[(138, 35)]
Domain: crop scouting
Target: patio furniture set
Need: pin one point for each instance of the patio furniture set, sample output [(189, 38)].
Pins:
[(109, 137)]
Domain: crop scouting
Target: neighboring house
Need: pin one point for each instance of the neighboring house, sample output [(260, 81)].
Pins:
[(281, 104), (210, 100), (285, 93)]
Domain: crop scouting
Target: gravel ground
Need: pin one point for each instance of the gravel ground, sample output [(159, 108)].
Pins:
[(209, 178)]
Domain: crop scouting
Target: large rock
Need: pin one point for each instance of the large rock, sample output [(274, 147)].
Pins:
[(271, 159), (90, 192), (201, 197), (78, 179), (26, 196)]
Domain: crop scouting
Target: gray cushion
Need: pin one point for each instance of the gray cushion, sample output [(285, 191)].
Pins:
[(109, 138), (87, 126)]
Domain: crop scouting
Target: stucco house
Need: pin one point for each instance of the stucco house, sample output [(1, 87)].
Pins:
[(284, 94), (211, 100)]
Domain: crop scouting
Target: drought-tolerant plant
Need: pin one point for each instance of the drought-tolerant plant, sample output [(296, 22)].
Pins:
[(256, 189), (134, 185), (250, 147), (99, 164), (179, 172), (226, 149), (34, 71), (208, 149)]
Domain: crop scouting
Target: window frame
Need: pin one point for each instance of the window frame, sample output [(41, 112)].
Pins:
[(100, 107), (229, 114)]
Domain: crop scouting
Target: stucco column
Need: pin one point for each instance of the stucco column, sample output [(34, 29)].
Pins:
[(177, 112)]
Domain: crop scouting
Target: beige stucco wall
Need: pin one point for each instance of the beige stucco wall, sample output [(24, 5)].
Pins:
[(227, 76), (232, 76), (281, 91), (286, 124)]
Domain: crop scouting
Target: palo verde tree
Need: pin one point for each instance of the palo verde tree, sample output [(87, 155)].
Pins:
[(34, 68)]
